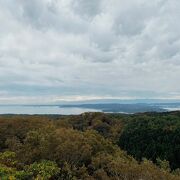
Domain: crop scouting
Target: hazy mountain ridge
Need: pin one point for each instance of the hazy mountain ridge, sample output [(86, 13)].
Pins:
[(127, 108)]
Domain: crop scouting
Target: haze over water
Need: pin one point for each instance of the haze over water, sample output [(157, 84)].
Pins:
[(20, 109), (81, 108)]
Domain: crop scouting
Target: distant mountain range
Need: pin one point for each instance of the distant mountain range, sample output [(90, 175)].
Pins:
[(128, 108), (121, 101)]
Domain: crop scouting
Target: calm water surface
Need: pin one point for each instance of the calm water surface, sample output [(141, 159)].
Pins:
[(33, 109), (19, 109)]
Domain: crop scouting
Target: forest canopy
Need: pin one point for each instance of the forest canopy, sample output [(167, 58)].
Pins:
[(90, 146)]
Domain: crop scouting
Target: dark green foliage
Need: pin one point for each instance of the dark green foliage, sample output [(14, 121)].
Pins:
[(153, 136)]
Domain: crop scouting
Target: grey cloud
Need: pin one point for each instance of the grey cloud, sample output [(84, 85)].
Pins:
[(90, 48), (87, 8), (45, 15)]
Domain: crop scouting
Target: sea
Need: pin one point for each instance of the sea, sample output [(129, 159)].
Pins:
[(56, 109), (42, 109)]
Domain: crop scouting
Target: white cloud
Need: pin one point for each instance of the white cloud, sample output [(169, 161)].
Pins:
[(104, 48)]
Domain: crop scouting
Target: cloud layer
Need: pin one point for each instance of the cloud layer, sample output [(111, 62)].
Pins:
[(58, 49)]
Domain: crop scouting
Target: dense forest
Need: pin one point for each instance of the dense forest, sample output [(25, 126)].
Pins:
[(90, 146)]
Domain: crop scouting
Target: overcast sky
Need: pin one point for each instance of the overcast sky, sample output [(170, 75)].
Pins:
[(52, 50)]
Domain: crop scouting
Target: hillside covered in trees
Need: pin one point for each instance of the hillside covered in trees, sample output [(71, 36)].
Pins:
[(90, 146)]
